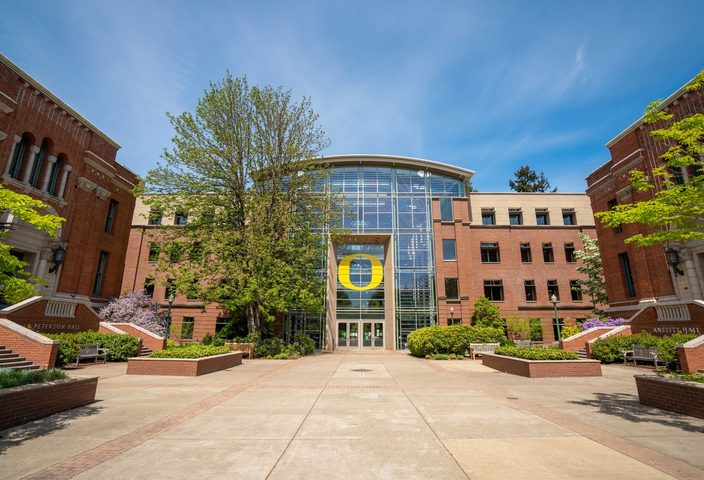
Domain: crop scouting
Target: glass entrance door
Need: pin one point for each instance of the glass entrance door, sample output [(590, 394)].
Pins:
[(372, 334)]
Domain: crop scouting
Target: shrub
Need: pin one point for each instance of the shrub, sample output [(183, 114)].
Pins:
[(444, 356), (250, 338), (610, 349), (454, 339), (119, 347), (486, 314), (193, 350), (15, 378), (606, 322), (569, 330), (536, 329), (303, 344), (269, 348), (518, 328), (281, 356), (536, 353), (136, 307)]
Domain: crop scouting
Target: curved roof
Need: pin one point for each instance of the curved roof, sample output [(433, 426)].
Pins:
[(397, 161)]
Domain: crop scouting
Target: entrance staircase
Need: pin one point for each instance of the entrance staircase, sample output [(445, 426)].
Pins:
[(11, 360), (582, 354), (145, 352)]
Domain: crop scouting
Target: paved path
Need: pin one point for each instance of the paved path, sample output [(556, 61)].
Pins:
[(365, 416)]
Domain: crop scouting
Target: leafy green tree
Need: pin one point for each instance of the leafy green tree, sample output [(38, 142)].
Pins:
[(15, 283), (243, 169), (486, 314), (675, 209), (594, 285), (468, 187), (527, 180)]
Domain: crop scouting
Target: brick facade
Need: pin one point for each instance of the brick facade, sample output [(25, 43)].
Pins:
[(578, 342), (542, 368), (23, 404), (52, 136), (185, 367), (691, 355), (35, 317), (672, 395), (36, 348)]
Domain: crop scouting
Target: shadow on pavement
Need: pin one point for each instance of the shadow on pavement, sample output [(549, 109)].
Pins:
[(15, 436), (626, 406)]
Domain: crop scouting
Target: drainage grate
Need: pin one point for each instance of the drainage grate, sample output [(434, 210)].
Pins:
[(361, 370)]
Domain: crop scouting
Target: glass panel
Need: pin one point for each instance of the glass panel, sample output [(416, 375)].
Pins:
[(446, 209), (378, 334), (341, 334), (354, 335), (366, 334)]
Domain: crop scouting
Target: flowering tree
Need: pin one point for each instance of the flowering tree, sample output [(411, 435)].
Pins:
[(594, 285), (137, 308), (607, 322)]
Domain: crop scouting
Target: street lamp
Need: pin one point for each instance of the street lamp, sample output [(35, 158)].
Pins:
[(452, 315), (168, 317), (553, 299)]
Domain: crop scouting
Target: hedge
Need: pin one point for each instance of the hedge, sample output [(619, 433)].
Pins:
[(536, 353), (275, 348), (193, 350), (15, 378), (119, 347), (610, 349), (454, 339)]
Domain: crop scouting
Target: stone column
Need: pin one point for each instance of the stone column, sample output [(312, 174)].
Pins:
[(64, 177), (12, 153), (693, 279), (50, 166), (32, 156)]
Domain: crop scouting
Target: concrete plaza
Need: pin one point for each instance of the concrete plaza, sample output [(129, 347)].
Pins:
[(385, 415)]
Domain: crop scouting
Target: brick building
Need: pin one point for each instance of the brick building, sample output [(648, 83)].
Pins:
[(639, 278), (419, 252), (50, 152)]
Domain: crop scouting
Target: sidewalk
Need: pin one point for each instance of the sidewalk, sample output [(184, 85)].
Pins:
[(363, 416)]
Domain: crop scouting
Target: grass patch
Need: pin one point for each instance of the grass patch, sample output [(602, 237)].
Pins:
[(15, 378), (445, 356), (687, 377), (194, 350), (536, 353)]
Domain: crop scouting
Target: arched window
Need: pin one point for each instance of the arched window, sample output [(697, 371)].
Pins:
[(54, 176), (38, 163), (19, 155)]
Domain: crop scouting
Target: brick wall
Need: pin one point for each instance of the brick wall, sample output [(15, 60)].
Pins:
[(150, 341), (24, 404), (618, 331), (182, 366), (578, 342), (543, 368), (691, 355), (33, 316), (647, 321), (36, 348), (673, 395)]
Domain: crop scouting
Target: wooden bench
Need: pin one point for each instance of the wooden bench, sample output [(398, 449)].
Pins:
[(247, 348), (479, 348), (91, 351), (523, 343), (642, 353)]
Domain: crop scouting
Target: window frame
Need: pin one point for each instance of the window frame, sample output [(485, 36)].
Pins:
[(553, 288), (446, 242), (491, 284), (576, 291), (629, 286), (445, 204), (569, 252), (490, 214), (548, 251), (100, 273), (571, 214), (488, 248), (529, 285), (448, 282), (525, 247), (112, 213), (515, 213), (542, 213)]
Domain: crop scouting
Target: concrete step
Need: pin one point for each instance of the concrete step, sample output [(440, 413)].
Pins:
[(11, 359), (7, 354), (145, 352), (582, 354), (16, 363), (31, 366)]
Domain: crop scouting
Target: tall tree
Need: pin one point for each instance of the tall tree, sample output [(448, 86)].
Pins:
[(594, 285), (15, 283), (527, 180), (676, 206), (244, 171)]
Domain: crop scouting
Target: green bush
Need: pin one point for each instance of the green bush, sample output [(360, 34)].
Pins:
[(486, 314), (281, 356), (303, 344), (444, 356), (454, 339), (518, 328), (208, 339), (536, 329), (610, 349), (119, 347), (569, 330), (536, 353), (269, 348), (15, 378), (193, 350)]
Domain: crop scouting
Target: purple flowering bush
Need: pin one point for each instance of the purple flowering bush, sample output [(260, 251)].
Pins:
[(607, 322), (138, 308)]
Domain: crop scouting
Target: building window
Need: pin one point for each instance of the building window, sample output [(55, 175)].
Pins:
[(446, 209), (548, 256), (568, 216), (628, 284), (542, 216), (112, 211), (220, 323), (149, 287), (170, 289), (154, 250), (38, 163), (515, 216), (449, 250), (488, 216), (531, 295), (569, 253), (612, 204), (154, 217), (576, 291), (54, 175), (100, 273), (526, 256), (553, 289), (490, 252), (452, 291), (18, 157), (494, 290), (180, 219), (187, 328)]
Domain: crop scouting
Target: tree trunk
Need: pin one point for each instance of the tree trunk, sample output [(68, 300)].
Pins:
[(253, 318)]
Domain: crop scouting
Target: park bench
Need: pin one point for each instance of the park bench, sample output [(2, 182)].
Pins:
[(91, 351), (642, 353), (523, 343), (479, 348), (247, 348)]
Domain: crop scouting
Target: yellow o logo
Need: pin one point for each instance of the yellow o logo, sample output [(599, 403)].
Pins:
[(343, 271)]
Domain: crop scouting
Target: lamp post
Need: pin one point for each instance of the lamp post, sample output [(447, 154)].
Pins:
[(553, 299), (452, 315), (168, 317)]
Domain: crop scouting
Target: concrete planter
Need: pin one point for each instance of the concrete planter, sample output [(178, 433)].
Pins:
[(671, 394), (185, 367), (23, 404), (542, 368)]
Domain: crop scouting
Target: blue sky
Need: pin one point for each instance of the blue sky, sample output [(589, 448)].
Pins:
[(486, 85)]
